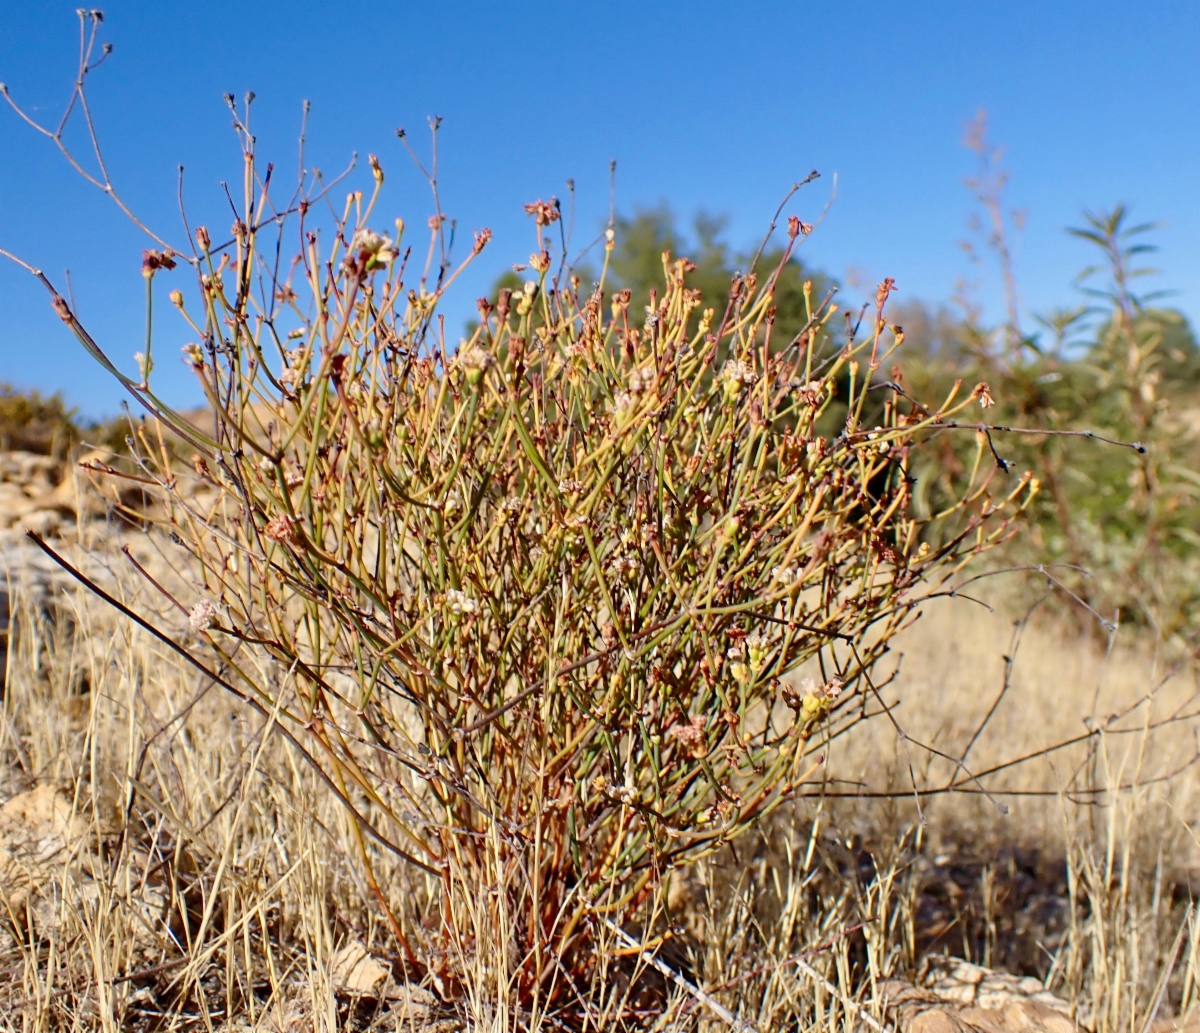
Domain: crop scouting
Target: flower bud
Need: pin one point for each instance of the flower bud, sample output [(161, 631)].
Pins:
[(503, 303)]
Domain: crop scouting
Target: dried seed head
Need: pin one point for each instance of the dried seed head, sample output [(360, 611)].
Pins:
[(691, 736), (796, 228), (203, 617), (200, 465), (623, 405), (883, 291), (543, 212), (153, 261), (503, 303), (620, 301), (202, 238), (281, 528)]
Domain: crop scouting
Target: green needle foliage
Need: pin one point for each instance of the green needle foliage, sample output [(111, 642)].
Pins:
[(1125, 519)]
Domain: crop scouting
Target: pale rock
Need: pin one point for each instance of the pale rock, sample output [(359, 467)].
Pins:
[(957, 997), (44, 522), (40, 850), (355, 970)]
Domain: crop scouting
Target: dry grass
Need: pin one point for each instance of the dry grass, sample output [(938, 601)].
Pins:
[(211, 883)]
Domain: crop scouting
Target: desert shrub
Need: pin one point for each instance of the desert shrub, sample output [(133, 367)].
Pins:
[(529, 604), (32, 422), (531, 601)]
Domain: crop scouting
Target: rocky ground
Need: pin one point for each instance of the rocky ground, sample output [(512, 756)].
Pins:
[(70, 503), (39, 494)]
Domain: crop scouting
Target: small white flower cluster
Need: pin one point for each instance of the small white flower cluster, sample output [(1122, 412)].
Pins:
[(642, 380), (293, 372), (375, 249), (509, 509), (193, 355), (623, 404), (627, 567), (460, 604), (736, 375), (739, 372), (826, 693), (475, 361), (624, 794)]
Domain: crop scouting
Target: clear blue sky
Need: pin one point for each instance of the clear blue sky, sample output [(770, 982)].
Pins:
[(714, 105)]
